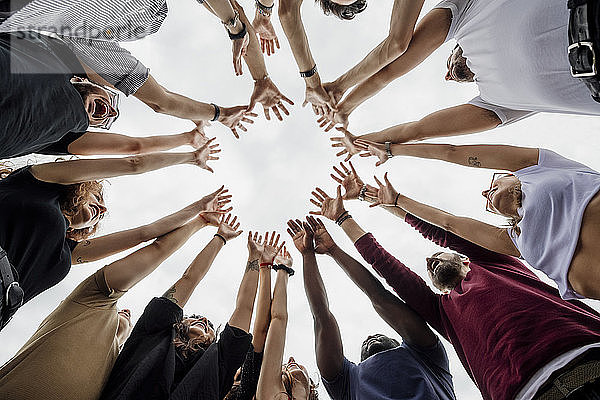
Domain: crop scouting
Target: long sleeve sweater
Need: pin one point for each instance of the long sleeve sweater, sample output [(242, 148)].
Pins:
[(504, 323)]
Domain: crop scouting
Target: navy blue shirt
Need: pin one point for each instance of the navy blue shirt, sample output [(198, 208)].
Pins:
[(403, 373)]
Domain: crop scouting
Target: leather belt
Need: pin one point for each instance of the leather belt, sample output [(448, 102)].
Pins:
[(583, 49), (12, 293), (568, 382)]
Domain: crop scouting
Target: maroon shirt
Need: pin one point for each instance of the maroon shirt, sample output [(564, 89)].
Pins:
[(504, 323)]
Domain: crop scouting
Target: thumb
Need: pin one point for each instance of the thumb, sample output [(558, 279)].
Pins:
[(339, 191), (305, 103)]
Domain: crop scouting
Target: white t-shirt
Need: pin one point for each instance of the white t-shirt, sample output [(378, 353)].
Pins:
[(556, 193), (517, 50)]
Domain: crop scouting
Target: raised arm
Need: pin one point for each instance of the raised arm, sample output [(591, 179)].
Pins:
[(181, 290), (163, 101), (409, 286), (76, 171), (428, 36), (98, 143), (127, 272), (491, 156), (209, 207), (269, 381), (453, 121), (291, 21), (244, 305), (395, 312), (263, 303), (328, 341), (402, 24), (485, 235)]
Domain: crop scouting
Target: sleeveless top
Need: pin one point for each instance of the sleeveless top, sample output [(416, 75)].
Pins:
[(556, 193)]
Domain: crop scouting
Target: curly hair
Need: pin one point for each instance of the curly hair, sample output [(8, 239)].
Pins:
[(346, 12), (288, 382), (513, 222), (71, 200), (185, 346)]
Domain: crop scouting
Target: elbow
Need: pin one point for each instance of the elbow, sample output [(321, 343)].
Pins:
[(279, 315), (133, 146), (287, 13), (135, 165), (398, 44)]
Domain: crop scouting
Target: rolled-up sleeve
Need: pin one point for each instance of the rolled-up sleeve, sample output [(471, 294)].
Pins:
[(111, 61)]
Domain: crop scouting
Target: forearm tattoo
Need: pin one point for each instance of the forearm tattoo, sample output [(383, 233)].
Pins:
[(169, 294), (252, 265), (474, 162)]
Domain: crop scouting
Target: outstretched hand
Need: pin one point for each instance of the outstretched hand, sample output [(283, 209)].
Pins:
[(284, 257), (228, 228), (255, 244), (270, 248), (347, 142), (329, 207), (266, 93), (215, 201), (302, 236), (232, 117), (386, 195), (330, 120), (205, 154), (349, 179), (322, 102), (372, 149), (197, 136), (266, 34), (323, 240)]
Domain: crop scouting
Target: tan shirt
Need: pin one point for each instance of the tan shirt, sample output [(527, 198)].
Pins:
[(71, 354)]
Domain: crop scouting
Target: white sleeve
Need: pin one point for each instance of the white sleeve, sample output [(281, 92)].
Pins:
[(550, 159), (457, 7), (506, 115)]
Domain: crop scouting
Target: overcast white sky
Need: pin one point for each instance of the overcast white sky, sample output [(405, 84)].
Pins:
[(272, 169)]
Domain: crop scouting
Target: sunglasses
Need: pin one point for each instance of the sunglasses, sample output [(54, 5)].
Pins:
[(113, 97), (495, 177)]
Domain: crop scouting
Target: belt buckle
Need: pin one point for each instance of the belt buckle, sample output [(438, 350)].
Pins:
[(590, 46)]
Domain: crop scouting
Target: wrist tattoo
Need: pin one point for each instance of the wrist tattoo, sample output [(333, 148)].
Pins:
[(169, 294), (474, 162), (86, 242), (80, 260), (252, 265)]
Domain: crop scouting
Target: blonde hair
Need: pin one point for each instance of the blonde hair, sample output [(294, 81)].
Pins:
[(288, 381)]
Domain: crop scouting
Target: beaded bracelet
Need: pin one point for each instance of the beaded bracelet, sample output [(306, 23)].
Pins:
[(263, 10), (342, 220)]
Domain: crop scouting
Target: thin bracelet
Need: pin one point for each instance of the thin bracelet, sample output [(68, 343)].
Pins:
[(221, 237), (266, 264), (344, 219), (342, 215), (263, 10), (203, 219), (363, 191), (217, 111), (309, 73), (262, 79), (396, 201)]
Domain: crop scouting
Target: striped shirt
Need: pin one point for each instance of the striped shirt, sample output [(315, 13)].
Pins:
[(92, 30)]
